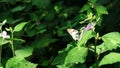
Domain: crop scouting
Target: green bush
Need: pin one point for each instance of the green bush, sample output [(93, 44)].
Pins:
[(36, 34)]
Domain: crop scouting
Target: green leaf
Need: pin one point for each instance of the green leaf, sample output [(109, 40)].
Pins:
[(1, 66), (25, 52), (16, 39), (15, 62), (43, 41), (67, 59), (101, 48), (86, 36), (18, 8), (111, 40), (62, 66), (34, 17), (59, 60), (94, 66), (20, 26), (93, 1), (41, 3), (101, 10), (2, 42), (110, 59), (85, 8), (76, 55), (50, 16)]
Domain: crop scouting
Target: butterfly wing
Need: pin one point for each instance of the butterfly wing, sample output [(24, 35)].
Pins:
[(74, 33)]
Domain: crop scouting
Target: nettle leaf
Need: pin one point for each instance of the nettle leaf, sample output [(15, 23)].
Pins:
[(110, 59), (25, 52), (86, 36), (76, 55), (59, 60), (111, 40), (101, 10), (18, 8), (16, 62), (101, 48), (20, 26)]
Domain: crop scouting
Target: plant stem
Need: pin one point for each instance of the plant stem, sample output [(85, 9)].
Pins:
[(96, 54), (12, 46), (0, 47), (0, 53)]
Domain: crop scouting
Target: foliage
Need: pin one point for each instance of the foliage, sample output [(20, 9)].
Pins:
[(33, 31), (110, 59)]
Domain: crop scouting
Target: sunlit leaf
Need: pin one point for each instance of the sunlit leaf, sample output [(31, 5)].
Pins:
[(1, 66), (101, 48), (62, 66), (16, 62), (101, 10), (111, 40), (86, 36), (2, 42), (76, 55), (110, 59), (25, 52), (85, 8), (20, 26)]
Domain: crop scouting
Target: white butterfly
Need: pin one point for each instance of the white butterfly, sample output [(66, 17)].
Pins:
[(76, 35)]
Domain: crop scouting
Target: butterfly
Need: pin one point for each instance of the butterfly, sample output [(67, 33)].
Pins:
[(75, 34)]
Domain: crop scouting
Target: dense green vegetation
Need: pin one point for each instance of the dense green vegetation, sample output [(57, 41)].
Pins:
[(59, 34)]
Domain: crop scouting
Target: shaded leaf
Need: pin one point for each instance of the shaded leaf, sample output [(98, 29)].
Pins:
[(18, 8), (41, 3), (93, 1), (43, 41), (59, 60)]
